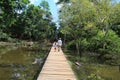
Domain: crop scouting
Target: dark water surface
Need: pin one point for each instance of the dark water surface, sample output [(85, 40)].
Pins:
[(17, 64), (105, 72), (91, 70)]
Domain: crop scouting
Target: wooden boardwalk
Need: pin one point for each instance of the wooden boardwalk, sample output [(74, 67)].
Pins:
[(56, 67)]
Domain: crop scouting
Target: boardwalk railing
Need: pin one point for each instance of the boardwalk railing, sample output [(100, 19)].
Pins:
[(56, 67)]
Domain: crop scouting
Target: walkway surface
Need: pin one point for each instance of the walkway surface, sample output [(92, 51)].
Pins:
[(56, 67)]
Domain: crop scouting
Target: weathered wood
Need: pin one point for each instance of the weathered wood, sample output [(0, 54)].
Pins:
[(56, 67)]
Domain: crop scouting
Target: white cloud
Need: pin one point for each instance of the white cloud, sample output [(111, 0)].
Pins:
[(59, 6), (36, 2), (32, 1), (55, 1)]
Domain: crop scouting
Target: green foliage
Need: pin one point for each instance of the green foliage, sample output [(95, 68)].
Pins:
[(117, 29), (45, 5), (110, 40), (78, 23), (94, 77), (89, 25), (107, 47), (61, 1), (4, 36), (113, 40), (22, 20)]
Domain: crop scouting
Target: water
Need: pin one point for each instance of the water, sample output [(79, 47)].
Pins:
[(106, 72), (17, 64), (90, 66)]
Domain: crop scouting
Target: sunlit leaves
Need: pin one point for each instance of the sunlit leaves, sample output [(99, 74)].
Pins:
[(90, 22)]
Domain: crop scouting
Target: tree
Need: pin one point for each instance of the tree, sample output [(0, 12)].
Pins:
[(106, 13), (83, 20), (78, 21), (25, 21), (45, 5), (9, 10), (61, 1)]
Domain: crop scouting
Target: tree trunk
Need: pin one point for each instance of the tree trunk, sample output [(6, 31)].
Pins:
[(77, 47), (80, 51), (64, 40)]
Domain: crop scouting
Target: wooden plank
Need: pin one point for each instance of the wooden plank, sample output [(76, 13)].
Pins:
[(56, 68)]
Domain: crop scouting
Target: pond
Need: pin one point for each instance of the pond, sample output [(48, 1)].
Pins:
[(16, 64), (105, 72), (88, 70)]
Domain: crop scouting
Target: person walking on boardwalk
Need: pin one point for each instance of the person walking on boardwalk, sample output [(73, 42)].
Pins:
[(55, 46), (59, 44)]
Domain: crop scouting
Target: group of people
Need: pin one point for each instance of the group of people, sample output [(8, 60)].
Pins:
[(57, 44)]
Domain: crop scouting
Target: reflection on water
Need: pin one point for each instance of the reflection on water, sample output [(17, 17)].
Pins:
[(17, 64), (16, 74), (84, 69), (106, 72)]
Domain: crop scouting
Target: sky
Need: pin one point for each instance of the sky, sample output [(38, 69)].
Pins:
[(118, 0), (53, 9)]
